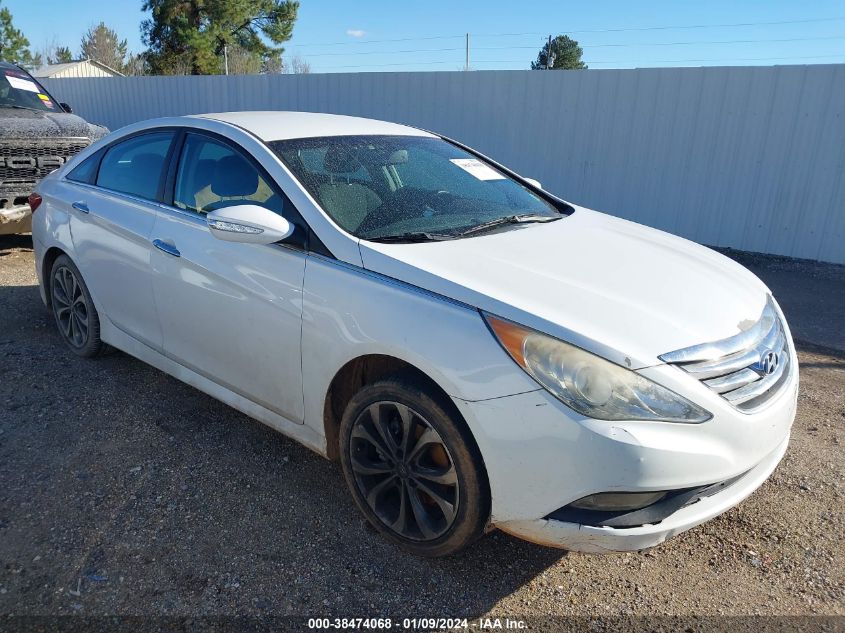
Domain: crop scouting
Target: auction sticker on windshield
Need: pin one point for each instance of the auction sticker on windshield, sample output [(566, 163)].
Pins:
[(46, 100), (22, 84), (476, 168)]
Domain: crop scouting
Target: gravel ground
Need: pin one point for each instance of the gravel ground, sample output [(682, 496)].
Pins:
[(123, 491)]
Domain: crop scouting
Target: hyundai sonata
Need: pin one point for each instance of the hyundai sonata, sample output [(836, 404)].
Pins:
[(475, 351)]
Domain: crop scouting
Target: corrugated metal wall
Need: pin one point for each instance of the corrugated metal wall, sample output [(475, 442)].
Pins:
[(752, 158)]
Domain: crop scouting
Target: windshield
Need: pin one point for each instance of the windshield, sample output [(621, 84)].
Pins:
[(18, 89), (379, 187)]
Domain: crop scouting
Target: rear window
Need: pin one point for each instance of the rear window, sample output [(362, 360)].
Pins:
[(135, 166)]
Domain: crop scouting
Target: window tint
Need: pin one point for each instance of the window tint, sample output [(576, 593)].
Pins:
[(86, 171), (212, 176), (135, 166)]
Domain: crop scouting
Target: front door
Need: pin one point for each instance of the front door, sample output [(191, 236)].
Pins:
[(228, 311)]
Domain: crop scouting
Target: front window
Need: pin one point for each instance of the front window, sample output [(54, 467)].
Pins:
[(212, 176), (19, 90), (381, 187)]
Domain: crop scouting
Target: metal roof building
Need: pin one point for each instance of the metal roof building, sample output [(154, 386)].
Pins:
[(80, 68)]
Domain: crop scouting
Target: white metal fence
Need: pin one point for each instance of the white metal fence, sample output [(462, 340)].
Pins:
[(752, 158)]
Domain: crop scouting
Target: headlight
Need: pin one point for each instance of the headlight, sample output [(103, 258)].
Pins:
[(589, 384)]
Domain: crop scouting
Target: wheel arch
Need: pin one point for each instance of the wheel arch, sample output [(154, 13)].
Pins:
[(367, 369), (50, 256)]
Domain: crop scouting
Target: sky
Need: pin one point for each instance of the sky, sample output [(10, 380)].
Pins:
[(345, 36)]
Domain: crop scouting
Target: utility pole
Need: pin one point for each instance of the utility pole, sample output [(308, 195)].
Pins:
[(226, 58), (466, 64), (550, 57)]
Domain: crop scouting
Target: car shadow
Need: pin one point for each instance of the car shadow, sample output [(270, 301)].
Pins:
[(830, 353), (9, 243), (140, 494)]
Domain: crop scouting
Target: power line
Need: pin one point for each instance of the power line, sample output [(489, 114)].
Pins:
[(533, 47), (723, 59), (791, 39), (654, 61), (709, 26), (578, 31), (387, 52), (401, 39), (429, 63)]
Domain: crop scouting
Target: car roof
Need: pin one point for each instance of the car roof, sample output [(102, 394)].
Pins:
[(282, 125)]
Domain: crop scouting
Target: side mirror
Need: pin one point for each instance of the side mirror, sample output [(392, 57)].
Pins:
[(66, 107), (533, 182), (248, 223)]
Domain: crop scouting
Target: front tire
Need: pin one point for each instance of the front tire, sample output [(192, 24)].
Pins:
[(413, 469), (76, 317)]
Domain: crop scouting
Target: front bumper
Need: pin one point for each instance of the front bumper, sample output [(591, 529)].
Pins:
[(599, 540), (541, 456), (15, 219)]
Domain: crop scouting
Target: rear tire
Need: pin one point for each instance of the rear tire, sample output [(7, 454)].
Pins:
[(413, 468), (76, 317)]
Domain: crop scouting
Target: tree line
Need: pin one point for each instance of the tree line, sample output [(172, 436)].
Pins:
[(209, 37), (183, 37)]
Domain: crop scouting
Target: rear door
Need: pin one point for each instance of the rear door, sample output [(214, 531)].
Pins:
[(230, 312), (112, 208)]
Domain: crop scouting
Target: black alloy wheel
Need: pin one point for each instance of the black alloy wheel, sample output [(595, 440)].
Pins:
[(76, 317), (404, 470), (70, 307), (413, 467)]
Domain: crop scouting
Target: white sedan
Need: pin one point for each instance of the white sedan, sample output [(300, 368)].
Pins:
[(475, 351)]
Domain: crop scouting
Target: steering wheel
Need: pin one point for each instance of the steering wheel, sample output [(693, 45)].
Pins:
[(402, 202)]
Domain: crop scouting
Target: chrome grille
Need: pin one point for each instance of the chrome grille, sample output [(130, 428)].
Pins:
[(747, 369)]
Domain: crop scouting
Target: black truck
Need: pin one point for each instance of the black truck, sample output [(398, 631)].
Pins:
[(37, 135)]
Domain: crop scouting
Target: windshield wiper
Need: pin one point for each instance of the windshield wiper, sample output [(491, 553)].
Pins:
[(524, 218), (19, 107), (416, 236), (424, 236)]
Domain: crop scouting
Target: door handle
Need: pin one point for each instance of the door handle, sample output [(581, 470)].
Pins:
[(167, 248), (80, 206)]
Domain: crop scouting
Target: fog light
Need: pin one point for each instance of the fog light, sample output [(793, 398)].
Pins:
[(618, 501)]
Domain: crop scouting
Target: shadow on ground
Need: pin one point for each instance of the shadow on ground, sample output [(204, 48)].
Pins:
[(8, 243), (125, 490)]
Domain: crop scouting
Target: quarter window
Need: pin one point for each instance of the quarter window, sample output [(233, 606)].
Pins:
[(212, 175), (86, 171), (135, 166)]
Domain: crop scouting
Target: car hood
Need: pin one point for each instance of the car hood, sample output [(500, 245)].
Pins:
[(622, 290), (18, 123)]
